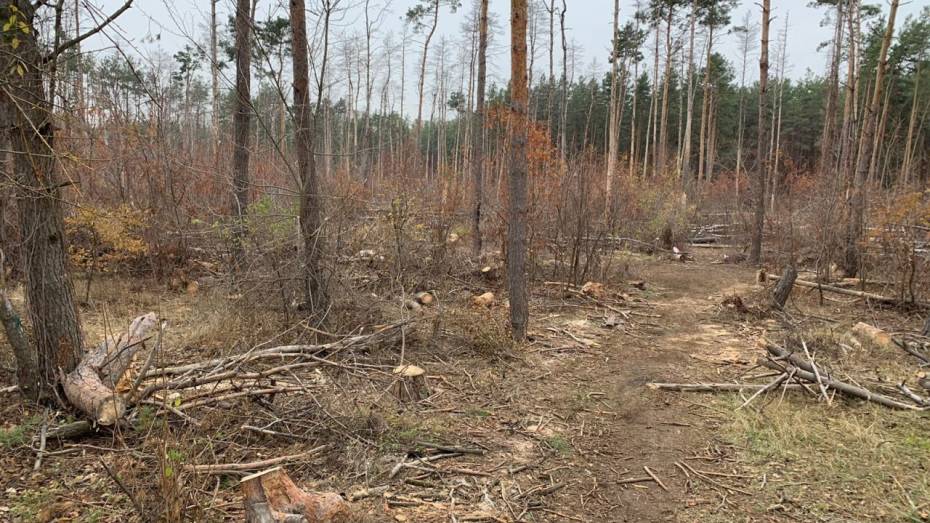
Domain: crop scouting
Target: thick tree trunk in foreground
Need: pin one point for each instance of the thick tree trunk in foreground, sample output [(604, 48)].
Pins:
[(517, 197), (758, 222), (309, 195), (241, 123), (857, 200), (478, 160), (26, 114)]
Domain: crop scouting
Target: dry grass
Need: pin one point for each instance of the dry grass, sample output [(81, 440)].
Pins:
[(839, 463)]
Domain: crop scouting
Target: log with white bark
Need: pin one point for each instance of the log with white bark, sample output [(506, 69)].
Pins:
[(91, 386)]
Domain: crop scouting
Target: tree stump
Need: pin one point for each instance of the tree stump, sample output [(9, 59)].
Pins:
[(409, 384), (271, 496), (784, 286)]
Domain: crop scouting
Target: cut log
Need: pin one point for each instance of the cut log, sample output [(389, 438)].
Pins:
[(409, 384), (484, 300), (784, 286), (425, 298), (90, 387), (870, 336), (272, 497)]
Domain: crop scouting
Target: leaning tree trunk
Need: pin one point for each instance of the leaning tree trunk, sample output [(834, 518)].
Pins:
[(755, 251), (857, 200), (310, 200), (516, 215), (26, 115), (784, 286)]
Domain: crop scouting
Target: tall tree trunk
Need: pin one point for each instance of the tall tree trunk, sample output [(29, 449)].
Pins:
[(613, 133), (79, 68), (850, 112), (880, 133), (655, 103), (26, 114), (689, 116), (214, 84), (517, 178), (857, 201), (705, 107), (478, 160), (241, 125), (666, 80), (827, 139), (429, 36), (310, 200), (755, 251), (563, 125), (905, 175)]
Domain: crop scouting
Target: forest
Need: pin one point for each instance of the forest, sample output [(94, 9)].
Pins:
[(447, 260)]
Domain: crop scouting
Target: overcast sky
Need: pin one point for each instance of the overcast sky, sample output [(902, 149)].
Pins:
[(151, 26)]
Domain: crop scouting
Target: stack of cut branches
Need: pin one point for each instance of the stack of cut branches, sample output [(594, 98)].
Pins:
[(260, 371), (801, 368), (797, 370)]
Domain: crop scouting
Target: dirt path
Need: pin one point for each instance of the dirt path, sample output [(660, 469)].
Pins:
[(615, 425)]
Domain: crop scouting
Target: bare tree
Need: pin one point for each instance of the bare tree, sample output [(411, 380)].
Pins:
[(857, 200), (215, 83), (517, 178), (755, 250), (241, 124), (310, 201), (613, 134), (478, 159), (828, 137), (747, 36)]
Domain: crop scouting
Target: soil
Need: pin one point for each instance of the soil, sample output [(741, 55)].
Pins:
[(570, 430)]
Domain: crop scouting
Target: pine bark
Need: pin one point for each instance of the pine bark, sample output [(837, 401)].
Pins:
[(26, 114), (517, 178), (310, 200), (241, 126)]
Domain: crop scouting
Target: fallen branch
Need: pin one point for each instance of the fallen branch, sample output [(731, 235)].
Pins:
[(253, 465), (711, 387), (849, 292), (806, 371)]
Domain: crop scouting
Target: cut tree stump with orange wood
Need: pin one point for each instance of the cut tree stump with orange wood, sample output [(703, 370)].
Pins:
[(271, 496), (91, 386)]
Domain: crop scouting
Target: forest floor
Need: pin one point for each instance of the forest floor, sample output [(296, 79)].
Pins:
[(566, 426)]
